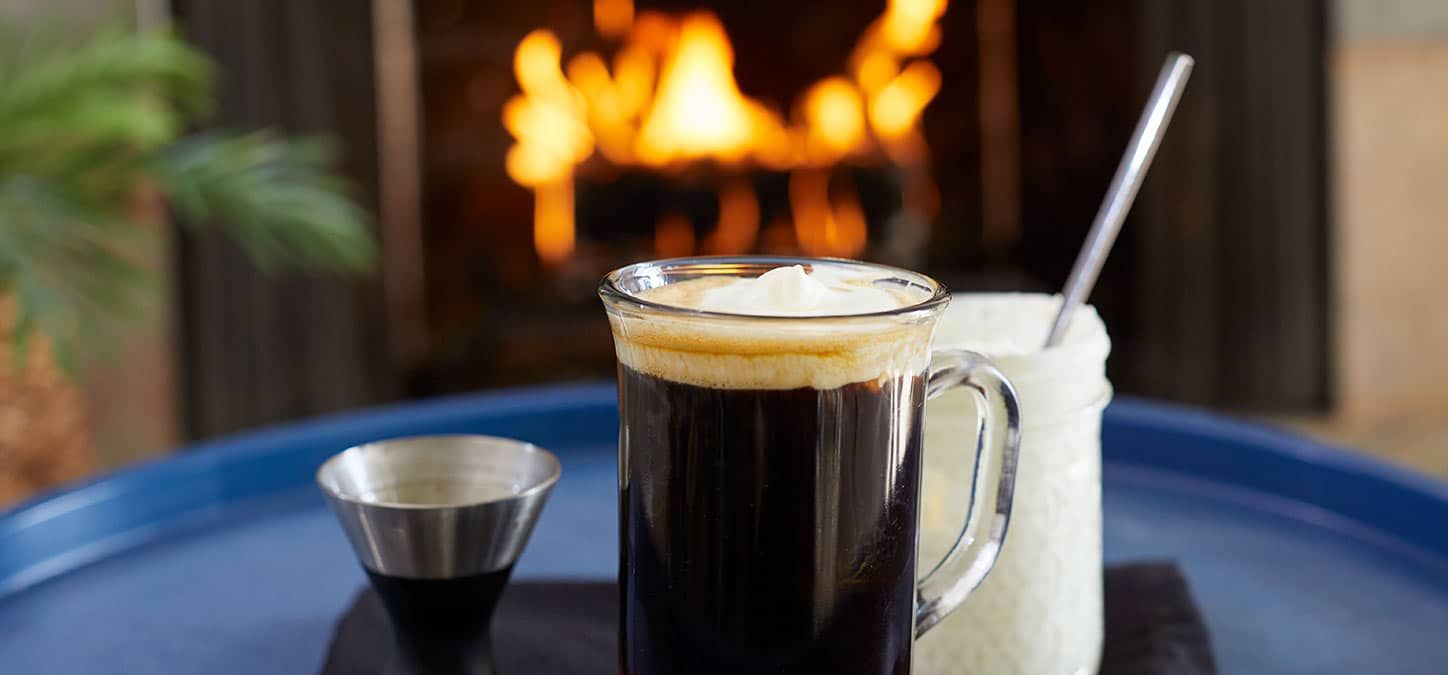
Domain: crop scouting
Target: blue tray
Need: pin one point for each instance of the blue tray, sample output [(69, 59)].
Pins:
[(1305, 559)]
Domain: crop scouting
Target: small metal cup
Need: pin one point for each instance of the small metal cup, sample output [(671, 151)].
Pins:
[(438, 522)]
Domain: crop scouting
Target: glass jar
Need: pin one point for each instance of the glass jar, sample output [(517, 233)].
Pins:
[(1039, 611)]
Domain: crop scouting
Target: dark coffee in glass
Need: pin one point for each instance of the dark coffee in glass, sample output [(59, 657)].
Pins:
[(769, 465)]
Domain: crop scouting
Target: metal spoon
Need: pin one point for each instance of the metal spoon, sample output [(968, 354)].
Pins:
[(1124, 186)]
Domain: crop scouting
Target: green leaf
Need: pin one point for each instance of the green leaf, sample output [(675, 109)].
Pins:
[(117, 91), (112, 60), (77, 269), (85, 127), (275, 198)]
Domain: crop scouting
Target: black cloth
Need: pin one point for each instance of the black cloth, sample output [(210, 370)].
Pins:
[(1153, 627)]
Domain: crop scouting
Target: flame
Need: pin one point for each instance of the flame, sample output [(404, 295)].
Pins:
[(822, 227), (609, 110), (874, 69), (635, 72), (547, 119), (654, 31), (698, 111), (834, 113), (668, 97), (553, 229), (738, 220), (896, 110), (613, 18), (909, 27)]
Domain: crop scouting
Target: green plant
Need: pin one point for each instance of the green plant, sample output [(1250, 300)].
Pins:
[(88, 127)]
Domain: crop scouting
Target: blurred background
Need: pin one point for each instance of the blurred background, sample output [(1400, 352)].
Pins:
[(1283, 261)]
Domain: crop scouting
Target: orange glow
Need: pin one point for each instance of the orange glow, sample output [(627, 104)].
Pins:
[(774, 145), (822, 227), (835, 116), (674, 237), (536, 65), (548, 119), (589, 74), (896, 109), (609, 114), (738, 220), (667, 97), (634, 72), (613, 18), (550, 141), (553, 228), (778, 237), (532, 166), (698, 111), (909, 25), (874, 69), (653, 31), (851, 231)]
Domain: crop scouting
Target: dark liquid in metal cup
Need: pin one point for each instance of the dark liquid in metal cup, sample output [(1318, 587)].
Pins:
[(768, 530), (441, 625)]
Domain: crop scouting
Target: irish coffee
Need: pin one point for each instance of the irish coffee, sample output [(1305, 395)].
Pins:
[(769, 467), (760, 545)]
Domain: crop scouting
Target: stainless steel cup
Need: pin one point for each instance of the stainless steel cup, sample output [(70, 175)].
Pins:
[(437, 523)]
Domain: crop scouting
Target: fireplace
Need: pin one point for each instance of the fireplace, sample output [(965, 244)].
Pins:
[(517, 151), (573, 139), (630, 141)]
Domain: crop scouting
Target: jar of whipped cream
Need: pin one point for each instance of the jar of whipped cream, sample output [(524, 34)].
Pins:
[(1039, 611)]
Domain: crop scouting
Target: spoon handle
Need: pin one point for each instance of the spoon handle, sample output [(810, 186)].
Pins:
[(1124, 186)]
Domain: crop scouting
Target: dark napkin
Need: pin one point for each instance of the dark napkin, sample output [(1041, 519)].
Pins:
[(1152, 628)]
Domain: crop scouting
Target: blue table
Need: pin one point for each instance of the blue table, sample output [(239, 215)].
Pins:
[(224, 560)]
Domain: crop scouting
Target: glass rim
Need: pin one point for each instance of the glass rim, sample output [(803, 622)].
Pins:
[(614, 295)]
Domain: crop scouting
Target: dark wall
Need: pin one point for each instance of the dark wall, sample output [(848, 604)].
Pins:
[(1218, 291), (260, 348), (1232, 232)]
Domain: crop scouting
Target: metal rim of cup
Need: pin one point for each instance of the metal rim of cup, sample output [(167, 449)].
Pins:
[(611, 290), (554, 472)]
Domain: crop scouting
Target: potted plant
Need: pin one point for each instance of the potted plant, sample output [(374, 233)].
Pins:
[(90, 131)]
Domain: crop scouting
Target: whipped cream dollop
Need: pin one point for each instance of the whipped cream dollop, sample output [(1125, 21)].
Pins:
[(791, 291)]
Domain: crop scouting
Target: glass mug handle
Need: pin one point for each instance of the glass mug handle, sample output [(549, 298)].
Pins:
[(998, 442)]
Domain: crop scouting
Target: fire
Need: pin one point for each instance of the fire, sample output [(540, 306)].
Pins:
[(738, 220), (698, 112), (613, 18), (668, 99), (823, 227), (834, 115), (674, 236), (548, 121), (553, 229), (896, 110), (909, 27)]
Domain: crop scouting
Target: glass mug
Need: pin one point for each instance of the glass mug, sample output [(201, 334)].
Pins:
[(769, 475)]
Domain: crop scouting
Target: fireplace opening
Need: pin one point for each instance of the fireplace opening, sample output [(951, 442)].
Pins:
[(517, 151), (613, 133)]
